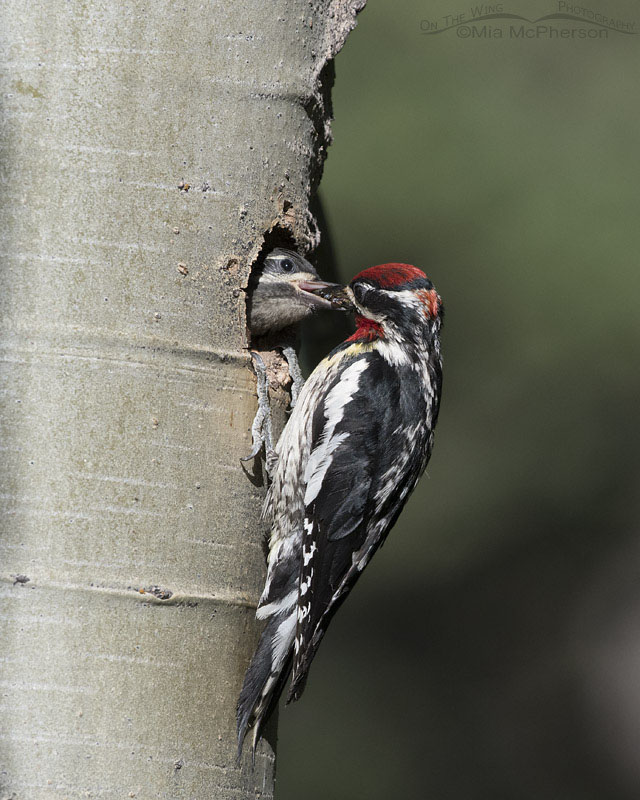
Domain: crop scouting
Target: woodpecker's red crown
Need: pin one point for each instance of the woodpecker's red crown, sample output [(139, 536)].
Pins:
[(392, 276), (395, 301)]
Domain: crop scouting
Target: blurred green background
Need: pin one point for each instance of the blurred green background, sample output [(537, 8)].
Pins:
[(492, 648)]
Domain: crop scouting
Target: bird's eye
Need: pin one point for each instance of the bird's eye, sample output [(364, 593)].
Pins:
[(287, 265), (360, 292)]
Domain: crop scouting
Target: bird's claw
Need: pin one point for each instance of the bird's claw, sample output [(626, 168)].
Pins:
[(257, 447), (262, 428), (297, 381)]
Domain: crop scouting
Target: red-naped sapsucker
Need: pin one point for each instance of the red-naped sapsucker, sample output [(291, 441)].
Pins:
[(355, 445)]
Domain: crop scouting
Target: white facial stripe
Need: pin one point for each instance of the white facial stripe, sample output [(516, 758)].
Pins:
[(361, 309), (404, 295)]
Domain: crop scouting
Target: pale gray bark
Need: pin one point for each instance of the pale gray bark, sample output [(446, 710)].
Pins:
[(126, 387)]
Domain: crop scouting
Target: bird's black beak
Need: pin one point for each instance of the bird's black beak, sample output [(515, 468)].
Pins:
[(326, 295)]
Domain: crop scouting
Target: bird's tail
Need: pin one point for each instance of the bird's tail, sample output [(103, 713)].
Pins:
[(266, 676)]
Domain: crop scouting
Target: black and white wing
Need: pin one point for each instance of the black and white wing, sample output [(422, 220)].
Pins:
[(371, 438)]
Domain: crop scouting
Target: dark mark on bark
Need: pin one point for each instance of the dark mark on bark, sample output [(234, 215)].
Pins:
[(161, 594)]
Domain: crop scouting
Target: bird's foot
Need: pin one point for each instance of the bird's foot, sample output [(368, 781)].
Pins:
[(297, 381), (262, 428)]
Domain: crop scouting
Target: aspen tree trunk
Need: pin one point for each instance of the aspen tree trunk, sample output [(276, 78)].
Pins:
[(148, 148)]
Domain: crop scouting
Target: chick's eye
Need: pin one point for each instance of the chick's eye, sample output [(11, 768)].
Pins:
[(287, 265), (360, 292)]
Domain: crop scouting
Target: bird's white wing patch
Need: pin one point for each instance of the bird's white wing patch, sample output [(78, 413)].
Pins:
[(334, 405), (283, 639), (277, 606)]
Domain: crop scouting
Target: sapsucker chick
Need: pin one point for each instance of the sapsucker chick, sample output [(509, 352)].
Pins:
[(350, 455), (282, 291)]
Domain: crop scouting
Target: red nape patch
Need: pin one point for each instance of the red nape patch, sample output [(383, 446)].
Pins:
[(389, 276), (367, 330), (430, 302)]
